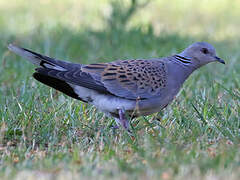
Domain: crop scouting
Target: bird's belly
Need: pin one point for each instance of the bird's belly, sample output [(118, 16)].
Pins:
[(110, 104), (104, 102), (153, 105)]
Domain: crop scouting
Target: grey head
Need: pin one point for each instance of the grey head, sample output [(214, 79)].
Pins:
[(201, 53)]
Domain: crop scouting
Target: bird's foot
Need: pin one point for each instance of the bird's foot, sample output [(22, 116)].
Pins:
[(122, 120)]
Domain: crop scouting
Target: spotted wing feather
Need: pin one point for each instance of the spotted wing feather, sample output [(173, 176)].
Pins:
[(131, 79)]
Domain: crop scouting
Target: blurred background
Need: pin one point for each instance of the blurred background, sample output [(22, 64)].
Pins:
[(216, 19), (197, 135)]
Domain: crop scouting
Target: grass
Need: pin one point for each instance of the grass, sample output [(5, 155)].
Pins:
[(45, 134)]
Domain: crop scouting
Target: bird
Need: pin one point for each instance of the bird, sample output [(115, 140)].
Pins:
[(122, 89)]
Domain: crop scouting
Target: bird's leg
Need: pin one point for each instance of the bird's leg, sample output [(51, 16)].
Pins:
[(122, 120)]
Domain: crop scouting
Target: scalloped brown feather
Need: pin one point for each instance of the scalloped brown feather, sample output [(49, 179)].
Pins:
[(134, 78)]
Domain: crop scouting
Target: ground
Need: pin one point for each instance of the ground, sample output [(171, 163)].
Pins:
[(47, 135)]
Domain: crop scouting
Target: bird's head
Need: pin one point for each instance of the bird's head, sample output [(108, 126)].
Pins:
[(201, 53)]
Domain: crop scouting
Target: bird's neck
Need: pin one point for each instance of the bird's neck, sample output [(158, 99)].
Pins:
[(184, 70)]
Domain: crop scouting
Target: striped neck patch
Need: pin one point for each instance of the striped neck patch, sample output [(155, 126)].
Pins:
[(182, 59)]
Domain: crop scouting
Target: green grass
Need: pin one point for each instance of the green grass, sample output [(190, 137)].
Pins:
[(45, 134)]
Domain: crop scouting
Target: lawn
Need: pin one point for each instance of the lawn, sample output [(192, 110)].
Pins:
[(47, 135)]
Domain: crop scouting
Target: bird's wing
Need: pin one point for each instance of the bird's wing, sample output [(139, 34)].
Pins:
[(131, 79)]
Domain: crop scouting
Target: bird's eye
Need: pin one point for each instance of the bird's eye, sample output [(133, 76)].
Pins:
[(204, 50)]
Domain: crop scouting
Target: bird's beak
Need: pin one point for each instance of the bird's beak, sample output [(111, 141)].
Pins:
[(219, 60)]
